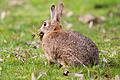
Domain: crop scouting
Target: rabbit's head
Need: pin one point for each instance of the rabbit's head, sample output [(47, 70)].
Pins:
[(54, 23)]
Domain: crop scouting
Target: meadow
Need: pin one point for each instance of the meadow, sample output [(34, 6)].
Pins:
[(21, 55)]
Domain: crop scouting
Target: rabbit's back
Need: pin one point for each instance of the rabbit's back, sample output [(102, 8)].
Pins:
[(71, 47)]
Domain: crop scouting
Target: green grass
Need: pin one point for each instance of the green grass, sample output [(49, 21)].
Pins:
[(23, 20)]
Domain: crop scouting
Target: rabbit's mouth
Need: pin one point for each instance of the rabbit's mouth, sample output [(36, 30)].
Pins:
[(41, 34)]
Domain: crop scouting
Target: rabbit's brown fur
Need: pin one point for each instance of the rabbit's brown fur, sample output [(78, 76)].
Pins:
[(66, 47)]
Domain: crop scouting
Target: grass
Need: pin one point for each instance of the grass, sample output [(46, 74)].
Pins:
[(18, 60)]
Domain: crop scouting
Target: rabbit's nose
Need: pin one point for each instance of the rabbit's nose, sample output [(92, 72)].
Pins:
[(41, 34)]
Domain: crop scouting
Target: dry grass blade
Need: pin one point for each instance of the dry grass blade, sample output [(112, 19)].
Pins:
[(80, 76), (33, 77), (1, 60), (2, 15), (37, 76), (117, 77), (41, 74)]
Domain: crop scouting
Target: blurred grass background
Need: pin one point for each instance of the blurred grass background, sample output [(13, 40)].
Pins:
[(21, 19)]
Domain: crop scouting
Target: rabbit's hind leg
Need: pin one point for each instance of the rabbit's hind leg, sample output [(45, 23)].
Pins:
[(49, 58), (62, 64), (65, 67)]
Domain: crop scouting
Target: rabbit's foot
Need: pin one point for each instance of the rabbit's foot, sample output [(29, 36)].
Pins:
[(63, 65), (50, 62), (66, 73)]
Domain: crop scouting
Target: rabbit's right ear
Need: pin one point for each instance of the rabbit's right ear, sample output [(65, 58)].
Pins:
[(58, 12), (52, 11), (60, 9)]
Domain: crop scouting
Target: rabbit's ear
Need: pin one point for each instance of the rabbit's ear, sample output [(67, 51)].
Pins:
[(52, 11), (58, 12), (60, 9)]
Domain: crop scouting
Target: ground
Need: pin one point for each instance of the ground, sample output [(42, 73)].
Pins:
[(21, 57)]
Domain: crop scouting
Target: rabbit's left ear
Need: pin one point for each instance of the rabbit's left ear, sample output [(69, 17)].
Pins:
[(52, 11)]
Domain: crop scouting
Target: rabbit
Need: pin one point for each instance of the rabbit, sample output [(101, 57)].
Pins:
[(66, 47)]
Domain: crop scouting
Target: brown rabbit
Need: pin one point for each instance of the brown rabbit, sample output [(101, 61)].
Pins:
[(66, 47)]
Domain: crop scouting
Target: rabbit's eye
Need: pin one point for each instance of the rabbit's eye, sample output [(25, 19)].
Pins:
[(44, 23)]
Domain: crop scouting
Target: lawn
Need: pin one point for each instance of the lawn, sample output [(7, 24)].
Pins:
[(21, 56)]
